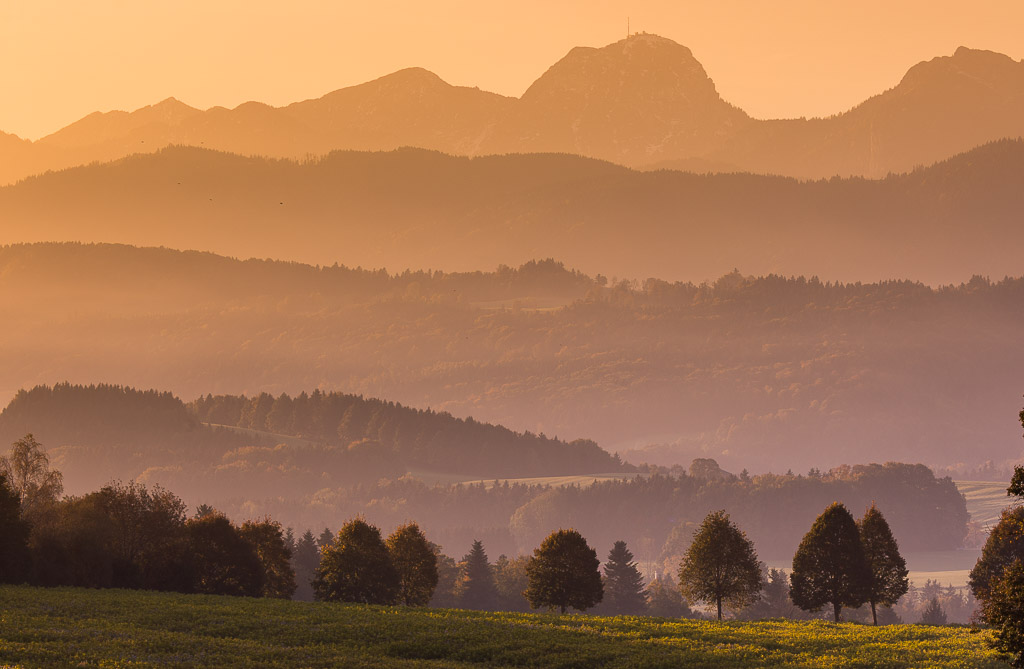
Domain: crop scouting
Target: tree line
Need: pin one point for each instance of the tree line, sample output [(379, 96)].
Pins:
[(997, 580), (802, 357), (126, 535)]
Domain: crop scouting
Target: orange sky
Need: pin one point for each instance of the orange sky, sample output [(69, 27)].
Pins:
[(62, 60)]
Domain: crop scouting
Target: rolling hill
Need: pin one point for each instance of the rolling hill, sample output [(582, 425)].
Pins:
[(766, 373), (419, 209)]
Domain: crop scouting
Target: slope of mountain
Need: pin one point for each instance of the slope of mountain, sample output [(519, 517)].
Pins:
[(414, 209), (759, 373), (643, 101)]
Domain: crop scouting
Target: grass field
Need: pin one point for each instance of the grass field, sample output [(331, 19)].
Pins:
[(985, 500), (114, 628)]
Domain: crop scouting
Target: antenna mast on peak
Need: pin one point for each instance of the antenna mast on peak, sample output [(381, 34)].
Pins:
[(627, 27)]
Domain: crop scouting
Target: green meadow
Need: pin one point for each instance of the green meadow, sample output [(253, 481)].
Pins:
[(116, 628)]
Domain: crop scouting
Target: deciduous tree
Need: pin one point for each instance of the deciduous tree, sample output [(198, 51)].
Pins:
[(356, 567), (415, 563), (721, 565), (664, 599), (267, 538), (27, 468), (1004, 546), (1003, 608), (223, 562), (564, 572), (889, 572), (14, 532), (829, 566)]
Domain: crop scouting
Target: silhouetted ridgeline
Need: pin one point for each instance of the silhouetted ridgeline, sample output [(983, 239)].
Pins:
[(640, 101), (419, 209), (767, 373)]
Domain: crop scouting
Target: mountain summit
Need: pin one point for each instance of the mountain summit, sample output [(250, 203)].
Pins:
[(644, 101), (641, 99)]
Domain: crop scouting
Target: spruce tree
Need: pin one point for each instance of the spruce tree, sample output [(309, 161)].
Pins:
[(623, 583), (476, 588), (305, 560), (416, 564), (889, 572), (933, 613), (721, 565), (564, 572), (829, 566)]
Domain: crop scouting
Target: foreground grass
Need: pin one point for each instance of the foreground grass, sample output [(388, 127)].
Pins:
[(117, 628)]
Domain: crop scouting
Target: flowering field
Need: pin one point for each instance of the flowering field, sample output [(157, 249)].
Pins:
[(116, 628)]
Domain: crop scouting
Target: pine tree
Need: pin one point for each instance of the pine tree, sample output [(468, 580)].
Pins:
[(305, 561), (564, 572), (325, 539), (721, 565), (829, 566), (889, 572), (356, 567), (623, 583), (933, 613), (476, 588), (416, 564)]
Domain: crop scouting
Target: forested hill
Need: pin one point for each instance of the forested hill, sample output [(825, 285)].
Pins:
[(768, 373), (390, 435), (101, 432), (420, 209)]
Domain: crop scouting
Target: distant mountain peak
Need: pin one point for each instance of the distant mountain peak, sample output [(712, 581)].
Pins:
[(977, 64)]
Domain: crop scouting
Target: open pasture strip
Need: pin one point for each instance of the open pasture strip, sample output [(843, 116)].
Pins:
[(117, 628)]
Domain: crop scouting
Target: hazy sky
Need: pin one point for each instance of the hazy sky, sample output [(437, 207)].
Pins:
[(780, 58)]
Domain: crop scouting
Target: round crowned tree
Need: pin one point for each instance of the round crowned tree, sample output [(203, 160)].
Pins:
[(416, 564), (889, 572), (721, 565), (564, 572), (356, 567), (829, 566)]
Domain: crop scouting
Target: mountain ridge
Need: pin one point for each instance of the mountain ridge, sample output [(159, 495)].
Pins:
[(644, 101)]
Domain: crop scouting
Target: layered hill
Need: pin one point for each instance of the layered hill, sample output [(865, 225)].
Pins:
[(419, 209), (98, 433), (644, 101), (763, 373)]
